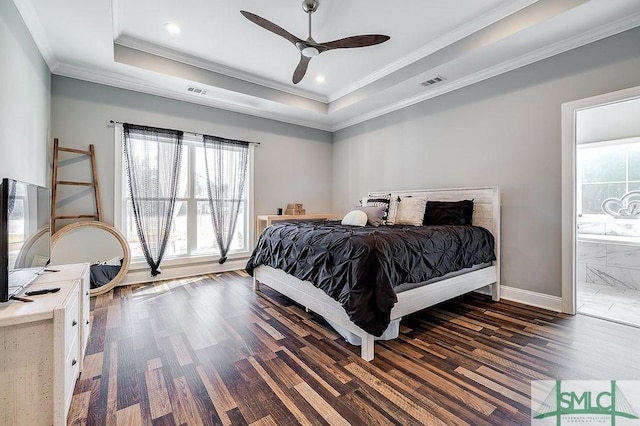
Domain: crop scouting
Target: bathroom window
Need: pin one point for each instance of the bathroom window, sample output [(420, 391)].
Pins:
[(607, 170)]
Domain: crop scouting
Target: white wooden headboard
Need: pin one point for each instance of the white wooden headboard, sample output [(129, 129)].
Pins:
[(486, 204)]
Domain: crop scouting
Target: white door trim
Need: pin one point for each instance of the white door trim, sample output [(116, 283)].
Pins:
[(569, 111)]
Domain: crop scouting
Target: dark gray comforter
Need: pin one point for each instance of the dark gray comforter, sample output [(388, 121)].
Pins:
[(359, 266)]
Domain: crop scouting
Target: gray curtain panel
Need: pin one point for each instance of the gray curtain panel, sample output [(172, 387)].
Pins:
[(226, 164), (152, 158)]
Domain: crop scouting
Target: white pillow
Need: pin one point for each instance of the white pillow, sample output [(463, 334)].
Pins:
[(355, 218), (411, 211)]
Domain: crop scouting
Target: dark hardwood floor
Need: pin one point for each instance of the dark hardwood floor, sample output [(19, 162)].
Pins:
[(209, 350)]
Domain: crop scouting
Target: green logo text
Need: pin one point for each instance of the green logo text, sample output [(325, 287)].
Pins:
[(605, 402)]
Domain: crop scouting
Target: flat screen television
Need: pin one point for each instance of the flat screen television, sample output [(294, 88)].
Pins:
[(25, 236)]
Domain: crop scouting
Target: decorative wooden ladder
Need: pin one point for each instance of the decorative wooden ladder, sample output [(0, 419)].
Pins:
[(94, 183)]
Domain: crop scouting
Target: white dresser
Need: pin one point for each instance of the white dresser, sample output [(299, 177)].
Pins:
[(42, 344)]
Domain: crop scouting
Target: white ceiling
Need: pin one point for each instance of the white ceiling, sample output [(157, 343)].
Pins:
[(242, 67)]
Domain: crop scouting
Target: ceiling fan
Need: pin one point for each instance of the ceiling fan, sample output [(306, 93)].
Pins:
[(309, 48)]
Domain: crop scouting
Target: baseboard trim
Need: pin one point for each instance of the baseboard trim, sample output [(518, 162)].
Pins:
[(527, 297), (140, 276)]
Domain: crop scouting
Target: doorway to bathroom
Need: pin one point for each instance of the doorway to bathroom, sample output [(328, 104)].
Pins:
[(607, 211)]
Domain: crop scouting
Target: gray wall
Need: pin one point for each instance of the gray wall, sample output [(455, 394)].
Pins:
[(292, 164), (24, 101), (503, 131)]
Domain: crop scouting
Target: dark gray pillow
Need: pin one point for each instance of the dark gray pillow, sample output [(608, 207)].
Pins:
[(448, 212), (375, 215)]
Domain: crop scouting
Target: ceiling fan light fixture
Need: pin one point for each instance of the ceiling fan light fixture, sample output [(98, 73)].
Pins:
[(307, 50), (310, 51)]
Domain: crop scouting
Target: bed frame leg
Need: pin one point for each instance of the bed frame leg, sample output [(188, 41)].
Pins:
[(495, 292), (366, 350), (256, 284)]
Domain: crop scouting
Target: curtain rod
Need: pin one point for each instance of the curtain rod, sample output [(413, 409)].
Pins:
[(186, 132)]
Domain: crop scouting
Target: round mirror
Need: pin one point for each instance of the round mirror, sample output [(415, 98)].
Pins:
[(34, 250), (100, 245)]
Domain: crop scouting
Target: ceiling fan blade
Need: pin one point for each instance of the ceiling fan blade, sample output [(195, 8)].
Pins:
[(270, 26), (355, 41), (301, 69)]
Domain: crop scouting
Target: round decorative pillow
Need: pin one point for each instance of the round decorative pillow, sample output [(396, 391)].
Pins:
[(355, 218)]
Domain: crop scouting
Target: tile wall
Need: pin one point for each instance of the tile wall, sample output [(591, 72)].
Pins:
[(616, 265)]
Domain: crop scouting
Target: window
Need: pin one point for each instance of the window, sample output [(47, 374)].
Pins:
[(606, 170), (191, 234)]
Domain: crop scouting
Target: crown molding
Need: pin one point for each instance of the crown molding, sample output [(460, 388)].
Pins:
[(587, 37), (31, 20), (109, 79), (117, 17), (458, 34), (144, 46)]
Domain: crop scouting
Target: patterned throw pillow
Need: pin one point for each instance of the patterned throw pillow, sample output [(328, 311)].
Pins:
[(378, 201), (393, 209), (411, 211)]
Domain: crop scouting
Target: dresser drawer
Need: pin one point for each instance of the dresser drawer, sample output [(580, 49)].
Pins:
[(86, 330), (71, 372), (71, 323), (86, 318)]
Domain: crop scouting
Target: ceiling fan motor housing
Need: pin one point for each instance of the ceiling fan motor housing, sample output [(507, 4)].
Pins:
[(310, 6)]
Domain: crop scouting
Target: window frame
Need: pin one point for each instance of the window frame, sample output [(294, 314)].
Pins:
[(120, 204)]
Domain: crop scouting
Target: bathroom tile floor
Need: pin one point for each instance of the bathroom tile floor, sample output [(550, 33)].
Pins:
[(612, 303)]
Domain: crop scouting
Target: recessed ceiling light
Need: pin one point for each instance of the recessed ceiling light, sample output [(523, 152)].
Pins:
[(172, 28), (320, 79)]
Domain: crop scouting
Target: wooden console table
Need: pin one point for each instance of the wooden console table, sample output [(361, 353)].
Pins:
[(265, 220)]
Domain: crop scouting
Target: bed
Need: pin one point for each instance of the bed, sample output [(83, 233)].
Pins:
[(486, 214)]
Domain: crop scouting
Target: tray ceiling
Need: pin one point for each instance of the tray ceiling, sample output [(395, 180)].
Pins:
[(221, 59)]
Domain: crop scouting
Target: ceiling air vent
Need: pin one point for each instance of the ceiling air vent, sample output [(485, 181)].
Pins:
[(434, 80), (197, 90)]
